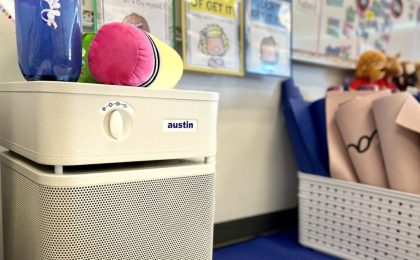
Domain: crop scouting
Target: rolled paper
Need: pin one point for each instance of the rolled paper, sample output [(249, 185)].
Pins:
[(397, 118), (358, 130), (339, 160)]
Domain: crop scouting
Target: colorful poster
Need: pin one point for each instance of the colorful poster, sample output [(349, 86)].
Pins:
[(153, 16), (213, 36), (89, 15), (268, 37)]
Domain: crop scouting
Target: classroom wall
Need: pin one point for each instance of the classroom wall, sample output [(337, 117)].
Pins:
[(256, 171)]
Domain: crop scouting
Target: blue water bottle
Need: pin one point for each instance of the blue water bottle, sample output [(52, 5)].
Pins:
[(49, 39)]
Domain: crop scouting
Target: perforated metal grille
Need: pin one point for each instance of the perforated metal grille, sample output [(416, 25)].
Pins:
[(357, 222), (157, 219)]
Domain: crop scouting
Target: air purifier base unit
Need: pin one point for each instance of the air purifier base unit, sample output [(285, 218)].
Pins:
[(142, 210)]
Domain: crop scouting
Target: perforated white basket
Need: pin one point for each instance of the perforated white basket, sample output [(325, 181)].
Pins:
[(356, 221)]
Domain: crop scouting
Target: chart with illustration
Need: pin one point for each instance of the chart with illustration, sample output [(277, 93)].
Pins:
[(212, 36), (346, 28), (142, 14), (268, 37)]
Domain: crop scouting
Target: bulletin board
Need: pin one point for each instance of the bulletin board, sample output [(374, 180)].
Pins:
[(336, 32)]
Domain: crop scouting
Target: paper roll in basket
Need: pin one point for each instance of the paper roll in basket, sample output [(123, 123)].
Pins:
[(122, 54), (397, 118), (357, 126)]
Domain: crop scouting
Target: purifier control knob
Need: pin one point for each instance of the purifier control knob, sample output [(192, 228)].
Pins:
[(116, 124)]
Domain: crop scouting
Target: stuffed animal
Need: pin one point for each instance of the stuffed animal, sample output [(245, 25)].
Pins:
[(122, 54), (408, 78), (371, 71), (418, 75), (393, 70)]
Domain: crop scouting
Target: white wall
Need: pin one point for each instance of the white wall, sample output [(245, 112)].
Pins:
[(9, 70), (256, 171)]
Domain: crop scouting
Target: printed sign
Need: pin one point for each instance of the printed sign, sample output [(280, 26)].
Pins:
[(179, 125), (153, 16), (268, 37), (212, 36)]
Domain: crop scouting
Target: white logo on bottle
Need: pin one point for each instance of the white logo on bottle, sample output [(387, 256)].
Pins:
[(52, 12)]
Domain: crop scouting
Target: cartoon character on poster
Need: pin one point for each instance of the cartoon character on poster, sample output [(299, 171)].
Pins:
[(138, 21), (214, 43), (88, 18), (269, 54)]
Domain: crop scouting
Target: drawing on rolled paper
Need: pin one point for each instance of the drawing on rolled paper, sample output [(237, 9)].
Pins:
[(362, 145), (51, 12)]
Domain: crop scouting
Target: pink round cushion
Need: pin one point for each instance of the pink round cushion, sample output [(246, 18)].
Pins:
[(121, 54)]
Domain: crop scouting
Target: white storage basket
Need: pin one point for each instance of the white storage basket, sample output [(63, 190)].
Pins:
[(357, 221)]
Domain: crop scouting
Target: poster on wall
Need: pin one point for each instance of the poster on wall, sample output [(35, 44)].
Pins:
[(213, 36), (341, 30), (153, 16), (89, 16), (268, 37)]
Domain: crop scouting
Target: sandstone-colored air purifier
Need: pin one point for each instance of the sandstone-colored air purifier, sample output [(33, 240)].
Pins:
[(106, 172)]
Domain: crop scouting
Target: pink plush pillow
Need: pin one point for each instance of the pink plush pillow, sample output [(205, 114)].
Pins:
[(121, 54)]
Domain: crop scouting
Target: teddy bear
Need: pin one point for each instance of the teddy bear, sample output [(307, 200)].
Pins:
[(393, 70), (371, 70)]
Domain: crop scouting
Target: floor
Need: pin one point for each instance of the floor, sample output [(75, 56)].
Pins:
[(281, 245)]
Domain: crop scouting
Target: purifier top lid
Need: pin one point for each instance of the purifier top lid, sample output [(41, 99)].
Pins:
[(55, 123), (105, 90)]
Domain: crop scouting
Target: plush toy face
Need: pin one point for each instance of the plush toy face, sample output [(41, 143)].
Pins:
[(371, 65), (393, 66), (410, 68)]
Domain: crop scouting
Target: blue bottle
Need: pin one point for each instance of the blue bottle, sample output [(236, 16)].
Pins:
[(49, 39)]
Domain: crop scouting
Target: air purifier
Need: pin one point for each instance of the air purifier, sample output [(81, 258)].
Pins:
[(106, 172)]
